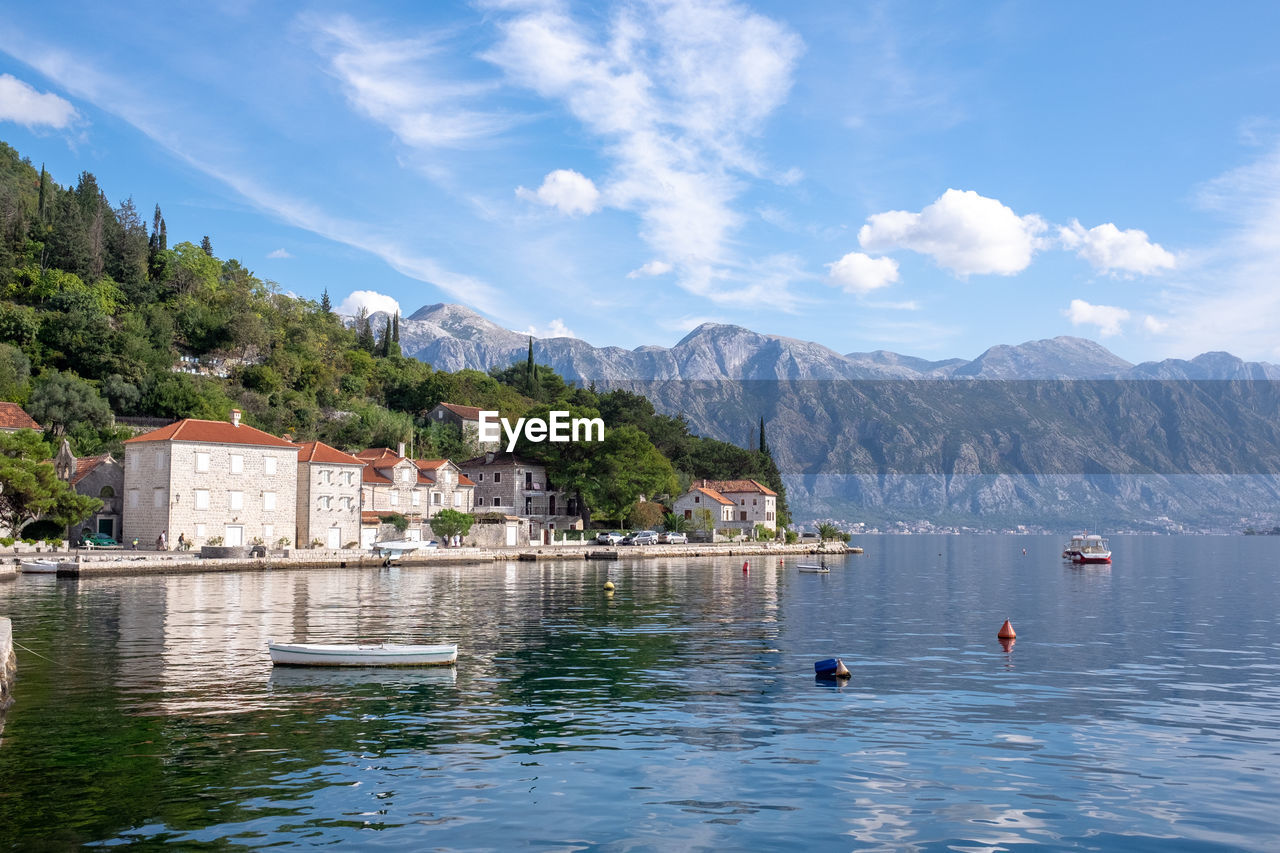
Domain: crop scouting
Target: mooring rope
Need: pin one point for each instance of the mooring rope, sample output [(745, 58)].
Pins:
[(18, 645)]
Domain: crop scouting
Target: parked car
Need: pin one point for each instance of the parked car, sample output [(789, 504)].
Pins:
[(609, 537), (808, 534), (640, 537), (670, 538), (99, 540)]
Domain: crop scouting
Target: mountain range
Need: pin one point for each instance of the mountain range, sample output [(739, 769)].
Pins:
[(1058, 433), (453, 337)]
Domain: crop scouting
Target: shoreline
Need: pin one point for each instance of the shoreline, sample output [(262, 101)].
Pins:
[(135, 564)]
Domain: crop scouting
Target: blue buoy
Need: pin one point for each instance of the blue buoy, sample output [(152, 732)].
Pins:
[(830, 667)]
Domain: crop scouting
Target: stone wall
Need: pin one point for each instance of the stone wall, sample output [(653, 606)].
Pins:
[(8, 662)]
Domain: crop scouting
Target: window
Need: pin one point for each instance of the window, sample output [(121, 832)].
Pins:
[(202, 462), (479, 501), (202, 498), (133, 461), (269, 465), (688, 513), (742, 516), (444, 477), (497, 476), (395, 499), (406, 475), (268, 501), (435, 499), (235, 500), (325, 474), (415, 498), (697, 499), (159, 459), (480, 478), (107, 492), (157, 497), (268, 531), (200, 529), (133, 496), (457, 499), (237, 463)]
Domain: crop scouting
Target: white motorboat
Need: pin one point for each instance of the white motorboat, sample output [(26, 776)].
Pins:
[(394, 549), (383, 654), (40, 567), (1095, 550), (815, 568), (1072, 549)]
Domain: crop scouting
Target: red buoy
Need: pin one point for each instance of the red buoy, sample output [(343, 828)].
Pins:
[(1006, 631), (746, 565)]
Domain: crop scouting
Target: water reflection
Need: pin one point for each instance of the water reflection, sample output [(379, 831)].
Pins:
[(677, 712)]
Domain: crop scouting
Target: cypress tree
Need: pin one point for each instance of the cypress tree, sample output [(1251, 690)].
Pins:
[(325, 305), (531, 372), (207, 245), (42, 207)]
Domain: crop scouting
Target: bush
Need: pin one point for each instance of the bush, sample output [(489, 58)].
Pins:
[(284, 542), (6, 541), (396, 520), (53, 543), (792, 537), (214, 541)]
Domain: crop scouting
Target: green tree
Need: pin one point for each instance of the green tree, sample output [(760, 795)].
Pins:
[(675, 523), (206, 245), (449, 523), (60, 400), (325, 305), (31, 487), (15, 374), (646, 515)]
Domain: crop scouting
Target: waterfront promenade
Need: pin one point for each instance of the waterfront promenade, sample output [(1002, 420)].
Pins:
[(108, 563)]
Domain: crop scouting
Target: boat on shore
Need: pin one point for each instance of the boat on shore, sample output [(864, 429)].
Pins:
[(1094, 551), (39, 567), (383, 654)]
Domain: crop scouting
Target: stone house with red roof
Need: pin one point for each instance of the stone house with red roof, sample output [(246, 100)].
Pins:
[(739, 504), (100, 477), (465, 418), (417, 489), (209, 479), (329, 486), (513, 485)]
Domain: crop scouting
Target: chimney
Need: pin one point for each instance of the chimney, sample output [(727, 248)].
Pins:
[(400, 449), (235, 417)]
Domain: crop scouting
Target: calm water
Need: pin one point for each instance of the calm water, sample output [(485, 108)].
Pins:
[(1138, 710)]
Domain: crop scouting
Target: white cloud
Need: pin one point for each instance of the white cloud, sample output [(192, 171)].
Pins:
[(1154, 326), (859, 273), (962, 231), (569, 192), (651, 269), (555, 329), (370, 300), (279, 253), (24, 105), (675, 91), (1111, 250), (394, 81), (1106, 317)]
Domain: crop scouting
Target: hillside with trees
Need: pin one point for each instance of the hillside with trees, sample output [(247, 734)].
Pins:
[(101, 317)]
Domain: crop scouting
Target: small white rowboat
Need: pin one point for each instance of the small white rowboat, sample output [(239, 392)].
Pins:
[(385, 654), (813, 567), (40, 567)]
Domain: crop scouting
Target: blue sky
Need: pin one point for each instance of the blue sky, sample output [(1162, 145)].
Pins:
[(927, 178)]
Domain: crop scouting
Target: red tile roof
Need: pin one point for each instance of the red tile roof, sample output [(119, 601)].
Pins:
[(213, 432), (737, 487), (467, 413), (370, 475), (318, 451), (713, 494), (85, 464), (12, 417)]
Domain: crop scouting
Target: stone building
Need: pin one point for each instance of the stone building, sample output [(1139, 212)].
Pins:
[(702, 498), (510, 484), (329, 484), (465, 418), (740, 504), (209, 479), (100, 477)]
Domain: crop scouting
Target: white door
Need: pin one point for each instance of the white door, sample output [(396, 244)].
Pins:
[(511, 535), (366, 536), (335, 537), (234, 535)]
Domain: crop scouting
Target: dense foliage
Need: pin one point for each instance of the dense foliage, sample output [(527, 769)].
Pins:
[(100, 316)]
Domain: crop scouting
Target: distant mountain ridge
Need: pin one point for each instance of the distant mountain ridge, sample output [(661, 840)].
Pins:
[(453, 337), (1059, 432)]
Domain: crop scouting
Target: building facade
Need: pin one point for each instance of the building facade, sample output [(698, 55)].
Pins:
[(465, 418), (754, 503), (329, 486), (512, 485), (210, 480), (700, 499)]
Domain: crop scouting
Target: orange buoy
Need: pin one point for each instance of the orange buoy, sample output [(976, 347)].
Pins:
[(1006, 631)]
